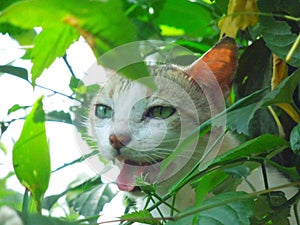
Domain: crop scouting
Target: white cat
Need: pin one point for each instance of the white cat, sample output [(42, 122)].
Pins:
[(137, 127)]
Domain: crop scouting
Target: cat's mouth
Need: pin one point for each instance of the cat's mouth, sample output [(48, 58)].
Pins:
[(130, 170)]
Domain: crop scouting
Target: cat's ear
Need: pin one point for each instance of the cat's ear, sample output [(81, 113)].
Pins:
[(221, 60)]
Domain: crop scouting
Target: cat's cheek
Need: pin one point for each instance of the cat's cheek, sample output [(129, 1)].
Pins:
[(158, 130), (104, 146)]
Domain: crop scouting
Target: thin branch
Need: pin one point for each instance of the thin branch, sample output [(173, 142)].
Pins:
[(293, 49), (56, 92), (68, 65), (79, 160)]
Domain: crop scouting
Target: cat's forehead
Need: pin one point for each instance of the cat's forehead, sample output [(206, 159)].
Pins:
[(120, 90), (163, 76)]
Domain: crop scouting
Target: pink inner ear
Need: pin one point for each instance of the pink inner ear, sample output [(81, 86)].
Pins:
[(221, 60)]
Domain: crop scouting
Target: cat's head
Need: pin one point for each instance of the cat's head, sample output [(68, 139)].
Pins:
[(137, 127)]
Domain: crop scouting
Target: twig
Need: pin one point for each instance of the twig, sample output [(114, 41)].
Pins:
[(68, 65), (56, 92), (293, 49)]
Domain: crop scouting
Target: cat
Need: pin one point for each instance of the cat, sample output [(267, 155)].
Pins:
[(137, 127)]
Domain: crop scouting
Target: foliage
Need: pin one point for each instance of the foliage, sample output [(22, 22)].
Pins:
[(263, 107), (31, 158)]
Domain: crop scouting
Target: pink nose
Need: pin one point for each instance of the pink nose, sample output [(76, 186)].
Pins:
[(117, 142)]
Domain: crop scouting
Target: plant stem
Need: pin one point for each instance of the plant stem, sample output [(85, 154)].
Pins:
[(293, 49), (277, 121), (78, 160), (57, 92), (68, 65)]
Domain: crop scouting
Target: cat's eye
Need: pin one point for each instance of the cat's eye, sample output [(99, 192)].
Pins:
[(161, 112), (103, 111)]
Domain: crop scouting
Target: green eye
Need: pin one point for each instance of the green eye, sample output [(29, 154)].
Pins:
[(161, 112), (103, 111)]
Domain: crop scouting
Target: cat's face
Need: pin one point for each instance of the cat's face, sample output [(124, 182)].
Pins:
[(137, 127)]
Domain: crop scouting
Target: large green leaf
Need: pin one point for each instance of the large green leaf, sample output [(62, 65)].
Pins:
[(197, 17), (62, 24), (73, 189), (50, 44), (268, 209), (31, 158), (262, 144), (237, 212), (231, 208), (282, 94), (36, 219), (91, 202), (279, 35)]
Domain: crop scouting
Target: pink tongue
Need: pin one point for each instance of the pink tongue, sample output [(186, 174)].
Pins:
[(126, 178)]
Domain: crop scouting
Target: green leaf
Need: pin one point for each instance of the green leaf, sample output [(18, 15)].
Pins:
[(197, 17), (238, 171), (50, 44), (282, 94), (263, 144), (254, 71), (15, 108), (284, 91), (237, 212), (36, 219), (40, 14), (62, 24), (208, 182), (73, 189), (91, 202), (77, 86), (31, 158), (59, 116), (231, 208), (278, 34), (9, 197), (142, 216), (267, 209), (295, 139), (16, 71)]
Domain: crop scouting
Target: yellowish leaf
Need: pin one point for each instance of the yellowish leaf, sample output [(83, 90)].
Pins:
[(240, 15), (280, 71), (290, 111)]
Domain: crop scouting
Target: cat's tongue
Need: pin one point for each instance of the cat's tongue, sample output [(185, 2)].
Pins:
[(126, 178)]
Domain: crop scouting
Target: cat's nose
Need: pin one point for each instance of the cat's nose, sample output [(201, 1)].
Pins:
[(118, 141)]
